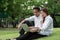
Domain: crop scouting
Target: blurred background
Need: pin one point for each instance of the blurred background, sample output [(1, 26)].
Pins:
[(13, 11)]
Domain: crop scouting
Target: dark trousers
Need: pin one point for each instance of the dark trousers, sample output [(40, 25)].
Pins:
[(29, 35), (29, 24)]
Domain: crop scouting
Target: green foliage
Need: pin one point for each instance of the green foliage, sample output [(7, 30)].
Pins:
[(54, 6), (23, 8)]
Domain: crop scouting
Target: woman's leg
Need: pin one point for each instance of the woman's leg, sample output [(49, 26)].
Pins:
[(36, 35)]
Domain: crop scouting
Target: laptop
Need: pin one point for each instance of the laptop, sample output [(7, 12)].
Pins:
[(25, 27)]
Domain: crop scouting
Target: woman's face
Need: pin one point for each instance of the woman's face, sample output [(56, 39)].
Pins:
[(43, 14)]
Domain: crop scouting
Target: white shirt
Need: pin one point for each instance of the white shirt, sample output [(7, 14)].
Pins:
[(46, 28)]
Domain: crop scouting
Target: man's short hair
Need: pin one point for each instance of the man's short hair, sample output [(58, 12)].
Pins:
[(37, 8)]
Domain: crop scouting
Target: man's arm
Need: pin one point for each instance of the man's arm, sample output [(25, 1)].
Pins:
[(30, 18), (27, 19), (20, 24)]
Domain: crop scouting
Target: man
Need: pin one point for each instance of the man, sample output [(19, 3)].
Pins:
[(42, 28), (36, 13)]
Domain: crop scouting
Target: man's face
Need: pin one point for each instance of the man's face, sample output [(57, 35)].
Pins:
[(36, 12)]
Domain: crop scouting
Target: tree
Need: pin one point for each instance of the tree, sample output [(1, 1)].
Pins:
[(20, 9)]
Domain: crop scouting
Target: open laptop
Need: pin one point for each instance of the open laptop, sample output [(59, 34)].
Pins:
[(25, 27)]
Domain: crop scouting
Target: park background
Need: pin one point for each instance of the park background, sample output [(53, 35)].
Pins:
[(13, 11)]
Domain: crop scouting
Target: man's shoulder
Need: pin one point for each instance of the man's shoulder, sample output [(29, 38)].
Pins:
[(33, 16)]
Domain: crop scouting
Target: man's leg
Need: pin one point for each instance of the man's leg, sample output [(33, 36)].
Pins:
[(30, 36), (21, 32), (29, 24), (25, 36)]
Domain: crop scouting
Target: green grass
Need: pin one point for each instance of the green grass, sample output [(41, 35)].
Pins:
[(6, 33), (54, 36)]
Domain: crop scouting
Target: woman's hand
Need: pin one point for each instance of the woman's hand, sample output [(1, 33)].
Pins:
[(33, 29)]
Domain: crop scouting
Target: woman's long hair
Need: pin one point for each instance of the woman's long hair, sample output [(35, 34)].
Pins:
[(46, 11)]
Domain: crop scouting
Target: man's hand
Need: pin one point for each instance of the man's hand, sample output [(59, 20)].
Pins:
[(20, 24), (33, 29)]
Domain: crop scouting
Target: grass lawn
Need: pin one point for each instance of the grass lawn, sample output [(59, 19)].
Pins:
[(6, 33)]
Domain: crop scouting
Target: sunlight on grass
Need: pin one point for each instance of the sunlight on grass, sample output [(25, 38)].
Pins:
[(54, 36), (6, 33)]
